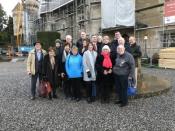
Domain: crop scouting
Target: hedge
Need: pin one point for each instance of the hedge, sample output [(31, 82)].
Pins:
[(47, 38)]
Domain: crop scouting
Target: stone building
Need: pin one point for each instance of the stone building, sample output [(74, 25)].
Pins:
[(72, 16), (150, 23)]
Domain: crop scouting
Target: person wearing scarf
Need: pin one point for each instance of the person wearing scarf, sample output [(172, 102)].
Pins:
[(104, 70), (51, 70)]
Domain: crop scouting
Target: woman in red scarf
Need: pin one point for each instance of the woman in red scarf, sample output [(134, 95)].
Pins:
[(104, 71)]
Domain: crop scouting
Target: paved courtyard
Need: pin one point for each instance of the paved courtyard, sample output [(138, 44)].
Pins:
[(19, 113)]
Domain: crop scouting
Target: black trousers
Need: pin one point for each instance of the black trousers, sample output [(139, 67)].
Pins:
[(75, 84), (121, 83), (89, 88), (105, 87), (67, 88), (34, 81), (53, 85)]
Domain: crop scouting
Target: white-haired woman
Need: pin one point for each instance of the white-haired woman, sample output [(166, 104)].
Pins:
[(104, 71)]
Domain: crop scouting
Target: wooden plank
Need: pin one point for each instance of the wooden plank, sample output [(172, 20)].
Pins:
[(167, 50), (167, 55), (167, 63)]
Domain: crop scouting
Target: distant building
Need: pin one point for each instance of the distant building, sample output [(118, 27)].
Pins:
[(18, 23), (24, 15)]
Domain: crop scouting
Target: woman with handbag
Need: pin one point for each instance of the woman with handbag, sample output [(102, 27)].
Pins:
[(74, 70), (104, 71), (51, 70), (89, 59)]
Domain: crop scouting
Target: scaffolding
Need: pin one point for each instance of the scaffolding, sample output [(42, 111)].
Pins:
[(68, 16)]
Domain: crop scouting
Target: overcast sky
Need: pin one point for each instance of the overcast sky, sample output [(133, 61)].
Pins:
[(8, 5)]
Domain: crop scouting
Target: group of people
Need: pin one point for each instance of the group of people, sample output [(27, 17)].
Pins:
[(95, 64)]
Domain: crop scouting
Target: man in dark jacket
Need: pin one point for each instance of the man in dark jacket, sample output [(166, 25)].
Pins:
[(59, 53), (59, 49), (97, 45), (115, 44), (123, 70), (79, 43), (136, 52)]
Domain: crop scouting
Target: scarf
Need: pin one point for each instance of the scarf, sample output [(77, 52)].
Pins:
[(52, 61), (107, 61)]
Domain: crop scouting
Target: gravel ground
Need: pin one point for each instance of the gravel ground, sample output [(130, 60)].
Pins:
[(18, 113)]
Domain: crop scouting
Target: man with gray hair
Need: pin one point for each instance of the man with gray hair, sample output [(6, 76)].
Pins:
[(123, 70), (69, 40)]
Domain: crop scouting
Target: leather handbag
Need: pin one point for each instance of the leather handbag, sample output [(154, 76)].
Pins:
[(44, 88)]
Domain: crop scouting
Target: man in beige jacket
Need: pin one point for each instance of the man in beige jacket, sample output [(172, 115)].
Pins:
[(34, 66)]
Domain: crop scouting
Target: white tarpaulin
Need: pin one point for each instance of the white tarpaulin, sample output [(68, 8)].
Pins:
[(117, 13), (52, 5)]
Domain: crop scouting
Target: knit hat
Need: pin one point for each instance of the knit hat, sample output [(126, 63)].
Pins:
[(106, 47), (58, 41)]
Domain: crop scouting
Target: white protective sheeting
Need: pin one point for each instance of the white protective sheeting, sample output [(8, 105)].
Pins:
[(53, 5), (117, 13)]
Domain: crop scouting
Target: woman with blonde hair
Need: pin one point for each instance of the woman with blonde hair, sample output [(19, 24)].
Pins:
[(74, 70)]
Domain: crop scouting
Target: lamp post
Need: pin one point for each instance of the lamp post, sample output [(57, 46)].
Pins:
[(145, 40)]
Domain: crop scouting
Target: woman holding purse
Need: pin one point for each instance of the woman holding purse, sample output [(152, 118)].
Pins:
[(89, 74), (51, 70)]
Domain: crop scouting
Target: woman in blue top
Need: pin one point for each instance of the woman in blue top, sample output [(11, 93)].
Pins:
[(74, 69)]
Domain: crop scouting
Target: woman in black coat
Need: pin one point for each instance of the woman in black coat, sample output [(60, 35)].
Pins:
[(51, 70), (104, 72)]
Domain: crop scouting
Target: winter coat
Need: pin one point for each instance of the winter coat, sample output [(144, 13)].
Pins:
[(31, 61), (114, 46), (79, 44), (52, 75), (74, 66), (59, 52), (89, 65), (125, 65), (100, 71), (136, 52)]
